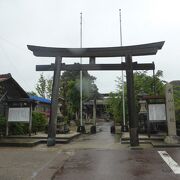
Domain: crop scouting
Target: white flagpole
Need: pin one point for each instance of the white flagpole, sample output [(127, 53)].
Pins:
[(122, 75), (81, 122)]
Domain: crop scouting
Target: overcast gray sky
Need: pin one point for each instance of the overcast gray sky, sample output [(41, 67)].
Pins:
[(57, 23)]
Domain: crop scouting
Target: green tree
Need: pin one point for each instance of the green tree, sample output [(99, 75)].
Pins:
[(176, 89), (49, 83), (142, 83), (32, 93), (41, 86), (2, 125), (69, 90), (39, 122), (148, 84), (114, 107)]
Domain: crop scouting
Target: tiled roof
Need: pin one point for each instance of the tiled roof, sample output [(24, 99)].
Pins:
[(13, 89), (4, 77)]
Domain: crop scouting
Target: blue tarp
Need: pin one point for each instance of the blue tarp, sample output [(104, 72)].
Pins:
[(40, 99)]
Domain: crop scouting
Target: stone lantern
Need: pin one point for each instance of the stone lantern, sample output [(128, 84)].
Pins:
[(143, 107), (142, 115)]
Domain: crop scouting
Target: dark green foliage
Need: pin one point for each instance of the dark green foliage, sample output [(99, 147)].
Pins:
[(114, 107), (32, 93), (70, 90), (15, 128), (71, 80), (176, 89), (148, 84), (2, 125), (41, 86), (39, 122), (177, 113), (18, 128), (142, 83), (49, 88)]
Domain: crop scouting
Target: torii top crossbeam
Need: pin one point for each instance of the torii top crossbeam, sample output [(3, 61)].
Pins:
[(137, 50)]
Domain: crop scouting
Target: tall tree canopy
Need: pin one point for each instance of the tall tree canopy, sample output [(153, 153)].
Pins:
[(176, 88), (41, 86), (149, 84), (142, 83), (69, 89)]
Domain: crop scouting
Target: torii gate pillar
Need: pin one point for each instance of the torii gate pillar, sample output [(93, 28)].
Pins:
[(133, 121), (51, 141)]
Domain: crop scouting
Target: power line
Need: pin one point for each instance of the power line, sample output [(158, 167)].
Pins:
[(12, 44), (8, 58)]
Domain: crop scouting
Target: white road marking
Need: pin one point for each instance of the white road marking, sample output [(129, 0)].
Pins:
[(170, 162)]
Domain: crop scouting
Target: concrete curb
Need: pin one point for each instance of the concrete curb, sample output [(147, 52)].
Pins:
[(31, 142), (154, 144), (42, 137)]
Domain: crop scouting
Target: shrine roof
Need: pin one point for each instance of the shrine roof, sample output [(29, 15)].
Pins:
[(4, 77), (13, 89)]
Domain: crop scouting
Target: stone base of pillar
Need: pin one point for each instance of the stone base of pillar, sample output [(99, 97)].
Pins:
[(81, 129), (172, 140), (93, 129), (134, 140), (124, 128), (113, 129), (51, 142)]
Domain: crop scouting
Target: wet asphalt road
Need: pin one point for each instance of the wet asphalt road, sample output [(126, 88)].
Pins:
[(102, 157)]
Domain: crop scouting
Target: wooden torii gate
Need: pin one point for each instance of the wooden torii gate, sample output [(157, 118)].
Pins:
[(124, 51)]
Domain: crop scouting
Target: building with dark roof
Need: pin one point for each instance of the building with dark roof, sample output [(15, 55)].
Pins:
[(10, 89), (13, 95)]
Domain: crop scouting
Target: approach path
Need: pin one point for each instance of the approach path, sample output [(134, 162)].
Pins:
[(102, 157), (89, 157)]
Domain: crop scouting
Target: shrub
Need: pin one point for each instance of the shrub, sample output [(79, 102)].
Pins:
[(39, 122), (18, 128), (66, 120), (2, 125)]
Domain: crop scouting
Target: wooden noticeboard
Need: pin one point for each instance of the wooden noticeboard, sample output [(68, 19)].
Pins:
[(157, 112), (20, 114)]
